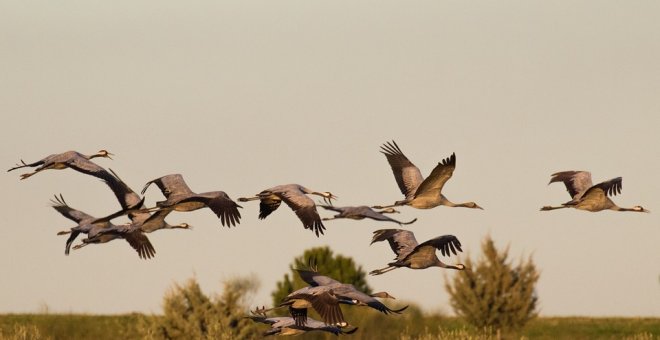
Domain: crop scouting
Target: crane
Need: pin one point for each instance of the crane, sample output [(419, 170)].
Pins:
[(68, 159), (587, 196), (413, 255), (295, 196), (420, 193), (179, 197)]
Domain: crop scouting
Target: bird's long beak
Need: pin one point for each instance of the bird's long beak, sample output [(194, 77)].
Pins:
[(110, 154)]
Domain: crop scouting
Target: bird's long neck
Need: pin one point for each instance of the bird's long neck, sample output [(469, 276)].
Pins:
[(449, 203), (617, 208), (441, 264), (307, 191)]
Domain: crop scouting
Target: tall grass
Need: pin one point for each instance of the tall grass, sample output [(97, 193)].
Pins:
[(411, 325)]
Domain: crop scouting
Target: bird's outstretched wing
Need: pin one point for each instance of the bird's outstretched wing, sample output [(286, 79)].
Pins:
[(576, 182), (314, 278), (220, 203), (305, 209), (327, 305), (407, 175), (73, 214), (141, 244), (379, 306), (434, 183), (609, 188), (447, 244), (226, 209), (401, 241), (170, 185), (126, 197), (69, 241), (88, 167)]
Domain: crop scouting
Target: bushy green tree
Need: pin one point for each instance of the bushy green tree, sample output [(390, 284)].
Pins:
[(190, 314), (494, 293), (338, 267)]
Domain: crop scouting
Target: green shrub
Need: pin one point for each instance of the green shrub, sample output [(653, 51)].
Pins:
[(190, 314), (493, 293)]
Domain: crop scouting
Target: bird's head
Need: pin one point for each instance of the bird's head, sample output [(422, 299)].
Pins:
[(473, 205), (640, 209), (460, 266), (103, 153), (383, 295), (183, 225)]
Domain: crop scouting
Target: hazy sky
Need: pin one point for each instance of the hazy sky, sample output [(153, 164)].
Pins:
[(242, 96)]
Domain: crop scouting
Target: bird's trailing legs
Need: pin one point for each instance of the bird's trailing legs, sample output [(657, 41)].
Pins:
[(26, 175), (78, 246), (382, 270), (547, 207), (247, 199), (263, 311), (260, 311), (396, 204)]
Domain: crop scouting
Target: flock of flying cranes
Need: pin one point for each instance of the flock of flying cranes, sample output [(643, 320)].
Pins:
[(324, 293)]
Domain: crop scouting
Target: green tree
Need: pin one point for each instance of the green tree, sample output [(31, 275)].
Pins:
[(494, 293), (190, 314), (338, 267)]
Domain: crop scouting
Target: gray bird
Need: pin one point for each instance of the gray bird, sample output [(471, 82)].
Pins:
[(69, 159), (133, 205), (287, 325), (92, 226), (179, 197), (325, 294), (413, 255), (586, 196), (420, 193), (362, 212), (295, 196)]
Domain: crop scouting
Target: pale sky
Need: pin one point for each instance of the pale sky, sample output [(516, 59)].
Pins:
[(245, 95)]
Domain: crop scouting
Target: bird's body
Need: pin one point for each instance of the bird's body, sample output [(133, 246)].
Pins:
[(295, 196), (324, 294), (179, 197), (362, 212), (413, 255), (587, 196), (95, 230), (68, 159), (419, 192)]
